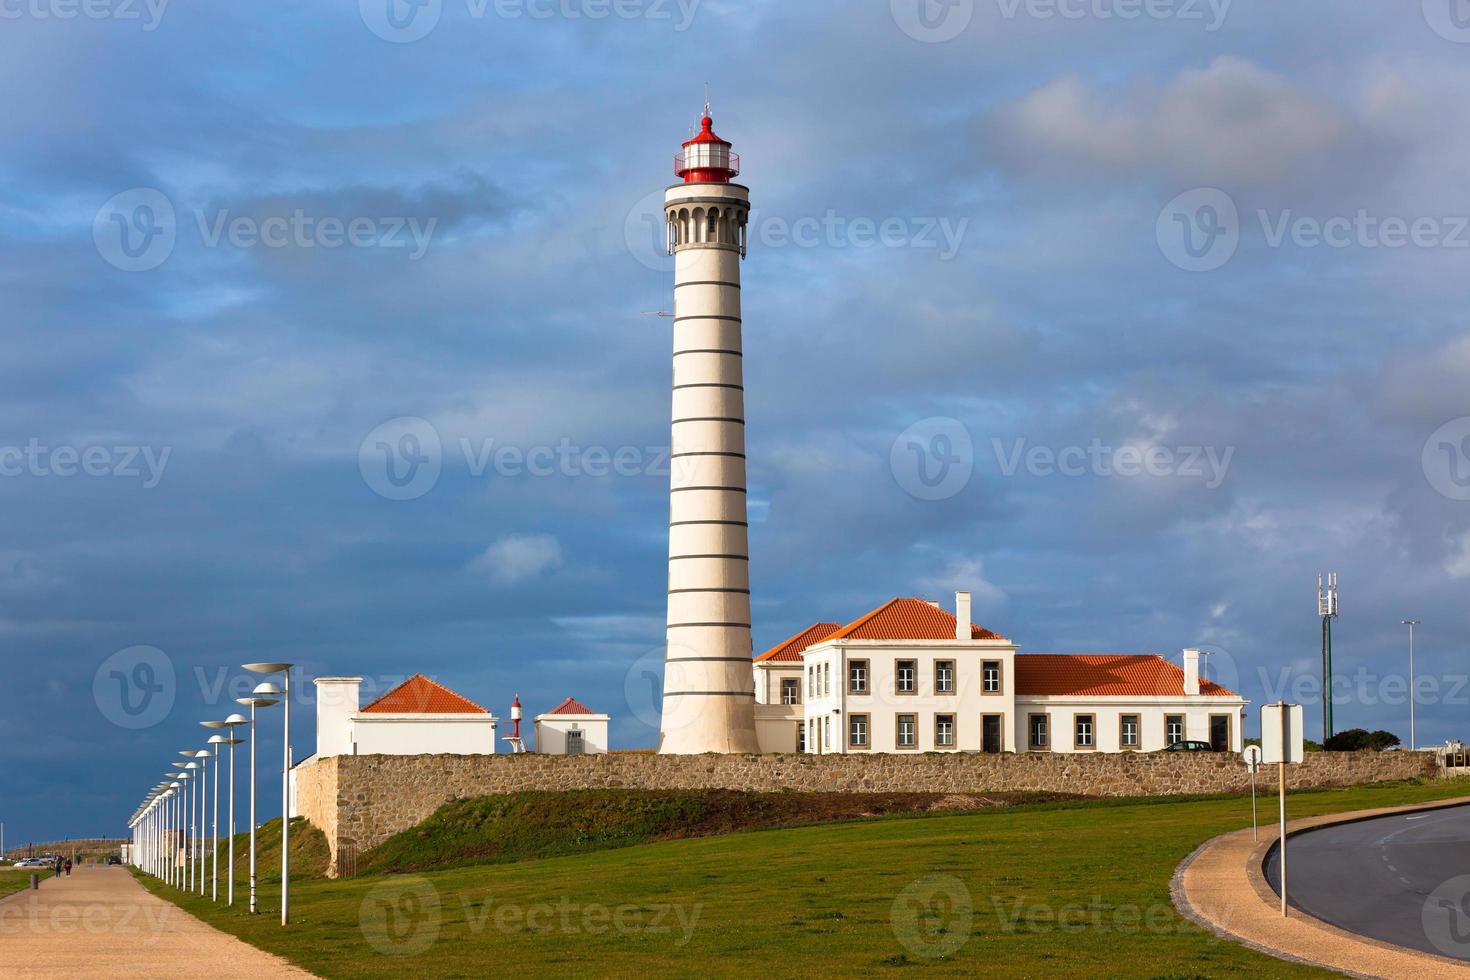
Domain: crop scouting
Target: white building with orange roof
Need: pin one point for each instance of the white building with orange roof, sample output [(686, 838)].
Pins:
[(912, 677), (417, 717), (571, 728)]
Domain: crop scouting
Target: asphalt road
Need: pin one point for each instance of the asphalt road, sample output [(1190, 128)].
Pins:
[(1403, 879)]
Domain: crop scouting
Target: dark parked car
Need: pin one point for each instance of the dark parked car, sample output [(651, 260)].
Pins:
[(1188, 747), (113, 859)]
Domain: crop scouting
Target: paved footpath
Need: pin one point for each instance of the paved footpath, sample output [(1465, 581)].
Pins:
[(101, 923), (1221, 886)]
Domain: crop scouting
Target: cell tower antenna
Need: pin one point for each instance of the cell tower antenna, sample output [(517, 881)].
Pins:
[(1327, 612)]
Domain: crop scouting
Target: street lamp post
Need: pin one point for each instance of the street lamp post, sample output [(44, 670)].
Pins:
[(215, 740), (232, 722), (1413, 694), (284, 669), (203, 756), (254, 701)]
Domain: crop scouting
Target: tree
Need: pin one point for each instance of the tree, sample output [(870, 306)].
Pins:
[(1360, 739)]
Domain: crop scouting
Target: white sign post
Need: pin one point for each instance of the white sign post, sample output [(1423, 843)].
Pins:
[(1252, 757), (1281, 743)]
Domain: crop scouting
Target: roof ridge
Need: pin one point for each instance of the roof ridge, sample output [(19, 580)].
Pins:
[(866, 617), (420, 676)]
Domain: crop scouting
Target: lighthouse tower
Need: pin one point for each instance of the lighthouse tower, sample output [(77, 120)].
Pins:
[(709, 687)]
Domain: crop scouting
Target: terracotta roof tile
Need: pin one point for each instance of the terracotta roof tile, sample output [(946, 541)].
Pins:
[(1104, 674), (420, 696), (791, 649), (907, 619), (571, 706)]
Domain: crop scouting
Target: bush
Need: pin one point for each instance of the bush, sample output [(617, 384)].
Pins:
[(1360, 740)]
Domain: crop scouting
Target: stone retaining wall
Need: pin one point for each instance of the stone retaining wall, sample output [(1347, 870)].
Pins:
[(361, 801)]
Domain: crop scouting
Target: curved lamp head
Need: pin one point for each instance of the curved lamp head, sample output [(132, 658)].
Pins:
[(187, 753), (217, 739), (268, 689), (202, 754), (256, 702), (267, 668), (214, 724), (232, 741), (236, 720)]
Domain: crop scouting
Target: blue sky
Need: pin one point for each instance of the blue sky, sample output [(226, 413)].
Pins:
[(969, 225)]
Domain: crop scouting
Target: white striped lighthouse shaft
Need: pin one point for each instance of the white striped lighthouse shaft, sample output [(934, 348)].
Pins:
[(708, 683)]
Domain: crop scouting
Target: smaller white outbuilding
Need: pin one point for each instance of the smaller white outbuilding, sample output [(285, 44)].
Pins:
[(571, 728), (418, 717)]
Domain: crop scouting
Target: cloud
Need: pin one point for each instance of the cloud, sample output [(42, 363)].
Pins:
[(1231, 122), (518, 558)]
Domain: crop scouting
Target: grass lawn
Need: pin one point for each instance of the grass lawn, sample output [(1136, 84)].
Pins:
[(1079, 889), (13, 880)]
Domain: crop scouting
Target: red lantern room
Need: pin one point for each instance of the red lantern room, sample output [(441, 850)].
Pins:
[(706, 159)]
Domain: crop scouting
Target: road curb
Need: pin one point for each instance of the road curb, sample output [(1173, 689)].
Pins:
[(1222, 887)]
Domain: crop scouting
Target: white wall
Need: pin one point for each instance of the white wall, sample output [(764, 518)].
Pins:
[(768, 677), (883, 703), (776, 726), (1107, 714), (336, 704), (425, 734), (551, 733)]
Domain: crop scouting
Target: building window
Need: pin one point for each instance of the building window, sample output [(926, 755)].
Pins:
[(790, 690), (990, 677), (811, 684), (944, 677), (857, 731), (1128, 732), (801, 736), (857, 677), (944, 731), (1040, 732), (826, 679), (908, 731), (908, 675), (826, 734), (1083, 730), (1173, 729)]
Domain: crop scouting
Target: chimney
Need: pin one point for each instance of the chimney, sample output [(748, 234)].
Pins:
[(1191, 672), (336, 705), (962, 615)]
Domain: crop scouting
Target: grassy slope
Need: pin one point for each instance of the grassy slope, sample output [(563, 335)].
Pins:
[(517, 826), (13, 880), (1058, 890)]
